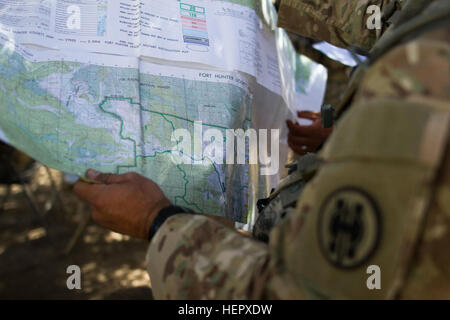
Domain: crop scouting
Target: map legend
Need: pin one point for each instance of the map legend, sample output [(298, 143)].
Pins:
[(193, 20)]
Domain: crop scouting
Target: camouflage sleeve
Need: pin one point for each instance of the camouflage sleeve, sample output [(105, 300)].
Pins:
[(379, 205), (195, 257), (412, 73), (340, 22)]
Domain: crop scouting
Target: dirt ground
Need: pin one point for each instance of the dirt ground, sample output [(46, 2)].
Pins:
[(33, 261)]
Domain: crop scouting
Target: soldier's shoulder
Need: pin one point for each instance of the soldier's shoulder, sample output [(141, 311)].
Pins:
[(411, 70), (340, 22)]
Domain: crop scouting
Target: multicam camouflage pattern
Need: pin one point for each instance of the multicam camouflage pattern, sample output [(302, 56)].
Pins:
[(389, 145), (429, 276), (342, 23), (195, 257), (392, 147), (413, 75)]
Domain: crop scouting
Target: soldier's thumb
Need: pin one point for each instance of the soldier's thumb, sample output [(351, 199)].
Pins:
[(106, 178)]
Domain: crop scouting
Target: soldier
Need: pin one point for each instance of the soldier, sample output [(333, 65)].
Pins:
[(378, 203)]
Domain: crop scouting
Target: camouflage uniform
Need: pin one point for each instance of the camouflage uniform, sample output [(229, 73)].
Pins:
[(381, 196), (341, 23)]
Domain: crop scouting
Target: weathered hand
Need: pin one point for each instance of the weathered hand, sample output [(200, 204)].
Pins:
[(126, 203), (303, 139)]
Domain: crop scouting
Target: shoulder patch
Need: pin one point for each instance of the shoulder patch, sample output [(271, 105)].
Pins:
[(349, 227)]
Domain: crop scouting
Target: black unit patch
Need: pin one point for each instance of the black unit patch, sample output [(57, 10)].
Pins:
[(349, 227)]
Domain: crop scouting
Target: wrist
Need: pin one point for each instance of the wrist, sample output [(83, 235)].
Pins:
[(165, 213), (152, 214)]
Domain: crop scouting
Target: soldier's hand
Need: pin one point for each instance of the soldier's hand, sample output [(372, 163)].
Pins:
[(306, 138), (125, 203)]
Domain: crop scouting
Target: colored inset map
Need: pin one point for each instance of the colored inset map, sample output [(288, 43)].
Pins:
[(102, 14), (193, 20)]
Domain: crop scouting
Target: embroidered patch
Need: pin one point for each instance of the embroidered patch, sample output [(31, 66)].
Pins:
[(349, 227)]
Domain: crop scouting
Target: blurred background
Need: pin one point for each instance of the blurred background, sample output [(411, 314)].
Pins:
[(44, 228)]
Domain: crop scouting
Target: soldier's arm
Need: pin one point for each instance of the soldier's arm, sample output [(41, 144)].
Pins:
[(340, 22), (195, 257), (190, 256)]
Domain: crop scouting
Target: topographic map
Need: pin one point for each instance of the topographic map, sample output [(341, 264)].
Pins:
[(120, 119), (110, 95)]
